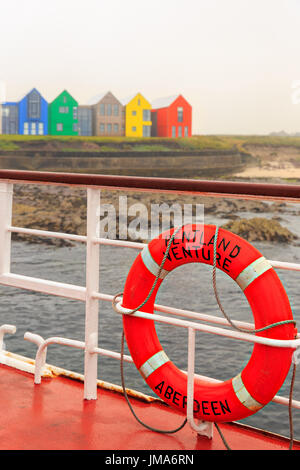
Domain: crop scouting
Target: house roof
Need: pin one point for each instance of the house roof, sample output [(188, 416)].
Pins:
[(9, 103), (28, 93), (164, 102), (32, 90), (128, 98), (61, 93), (99, 97)]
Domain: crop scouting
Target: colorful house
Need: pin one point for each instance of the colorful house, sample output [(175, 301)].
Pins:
[(63, 115), (33, 114), (171, 117), (10, 118), (137, 116), (108, 115)]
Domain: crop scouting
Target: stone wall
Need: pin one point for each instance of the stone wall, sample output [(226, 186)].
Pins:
[(130, 163)]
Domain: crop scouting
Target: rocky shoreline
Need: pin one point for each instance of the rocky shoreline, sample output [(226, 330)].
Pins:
[(63, 209)]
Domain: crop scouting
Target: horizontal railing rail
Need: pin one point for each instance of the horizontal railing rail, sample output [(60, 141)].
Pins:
[(178, 185), (91, 294), (42, 344), (120, 243)]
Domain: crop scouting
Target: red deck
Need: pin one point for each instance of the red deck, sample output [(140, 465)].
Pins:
[(54, 416)]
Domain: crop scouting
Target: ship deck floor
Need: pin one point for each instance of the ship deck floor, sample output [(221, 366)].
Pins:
[(54, 416)]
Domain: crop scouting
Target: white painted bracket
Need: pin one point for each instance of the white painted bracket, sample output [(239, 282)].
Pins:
[(10, 329), (296, 356)]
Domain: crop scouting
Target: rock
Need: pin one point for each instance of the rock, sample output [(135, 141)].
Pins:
[(260, 229), (278, 207), (63, 209)]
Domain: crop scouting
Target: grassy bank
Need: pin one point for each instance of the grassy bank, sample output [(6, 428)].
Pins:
[(197, 142), (105, 144), (210, 156)]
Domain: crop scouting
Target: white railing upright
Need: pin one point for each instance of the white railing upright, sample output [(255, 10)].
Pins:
[(6, 201), (92, 286)]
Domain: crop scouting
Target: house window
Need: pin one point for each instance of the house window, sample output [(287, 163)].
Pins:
[(116, 110), (186, 131), (133, 113), (102, 128), (33, 128), (179, 131), (65, 99), (75, 112), (26, 127), (41, 128), (34, 105), (12, 128), (139, 102), (146, 115), (133, 129), (116, 128), (64, 109), (108, 109), (180, 114), (173, 131), (75, 127), (102, 109), (146, 131), (108, 128), (59, 127)]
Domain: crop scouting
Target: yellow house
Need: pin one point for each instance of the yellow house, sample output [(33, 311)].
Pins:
[(137, 116)]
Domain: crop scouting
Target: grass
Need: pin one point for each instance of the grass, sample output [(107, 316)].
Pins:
[(151, 148), (8, 145), (153, 143), (197, 142)]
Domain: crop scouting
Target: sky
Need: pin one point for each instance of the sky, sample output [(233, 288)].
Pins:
[(236, 61)]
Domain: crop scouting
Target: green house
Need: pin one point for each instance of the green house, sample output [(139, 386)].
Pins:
[(63, 115)]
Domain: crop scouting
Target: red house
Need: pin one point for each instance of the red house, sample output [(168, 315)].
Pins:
[(171, 117)]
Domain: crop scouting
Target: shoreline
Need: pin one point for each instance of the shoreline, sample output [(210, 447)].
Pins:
[(270, 174)]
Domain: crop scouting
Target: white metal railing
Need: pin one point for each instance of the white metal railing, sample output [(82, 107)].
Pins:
[(90, 294)]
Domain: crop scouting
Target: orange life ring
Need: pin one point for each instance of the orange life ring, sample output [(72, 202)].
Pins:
[(259, 381)]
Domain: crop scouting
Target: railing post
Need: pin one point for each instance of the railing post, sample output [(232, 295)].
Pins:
[(203, 428), (92, 286), (6, 199)]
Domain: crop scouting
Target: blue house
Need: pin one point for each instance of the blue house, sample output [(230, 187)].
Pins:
[(33, 114)]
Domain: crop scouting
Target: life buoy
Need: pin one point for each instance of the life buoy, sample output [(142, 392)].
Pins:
[(264, 374)]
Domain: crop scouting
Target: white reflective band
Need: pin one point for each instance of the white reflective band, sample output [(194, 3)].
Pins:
[(243, 395), (158, 359), (252, 272), (150, 264)]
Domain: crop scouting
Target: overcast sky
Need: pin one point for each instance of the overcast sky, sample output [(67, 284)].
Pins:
[(235, 61)]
